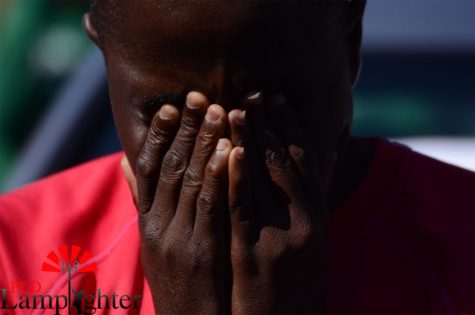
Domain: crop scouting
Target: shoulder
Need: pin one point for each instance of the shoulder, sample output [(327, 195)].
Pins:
[(88, 207), (90, 191), (409, 230), (430, 213), (432, 185), (421, 193), (85, 205), (400, 180), (74, 188)]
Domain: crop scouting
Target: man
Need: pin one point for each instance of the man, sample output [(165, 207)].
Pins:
[(252, 197)]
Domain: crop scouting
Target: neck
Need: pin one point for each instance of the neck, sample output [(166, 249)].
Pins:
[(350, 171)]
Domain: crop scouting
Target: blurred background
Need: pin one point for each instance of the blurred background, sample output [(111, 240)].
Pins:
[(417, 84)]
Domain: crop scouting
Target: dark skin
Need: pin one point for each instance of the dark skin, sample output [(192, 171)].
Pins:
[(233, 199)]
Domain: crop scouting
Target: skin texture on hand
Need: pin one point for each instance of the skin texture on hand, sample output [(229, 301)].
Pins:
[(275, 254), (181, 172), (278, 218)]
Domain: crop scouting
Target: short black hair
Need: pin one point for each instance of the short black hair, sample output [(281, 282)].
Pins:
[(107, 13), (104, 13)]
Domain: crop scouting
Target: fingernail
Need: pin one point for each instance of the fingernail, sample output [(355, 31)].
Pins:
[(167, 112), (195, 100), (222, 145), (241, 118), (255, 98), (212, 115), (240, 153)]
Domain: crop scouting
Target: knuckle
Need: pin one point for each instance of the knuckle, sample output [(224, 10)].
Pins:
[(150, 232), (145, 167), (168, 253), (213, 170), (189, 128), (206, 201), (157, 135), (272, 250), (179, 233), (277, 161), (174, 248), (192, 178), (279, 165), (305, 237), (173, 166), (144, 204), (297, 153), (205, 140), (201, 254)]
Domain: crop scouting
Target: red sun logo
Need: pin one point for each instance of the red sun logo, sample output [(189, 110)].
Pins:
[(70, 259)]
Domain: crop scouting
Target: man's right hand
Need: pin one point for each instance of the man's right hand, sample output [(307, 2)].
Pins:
[(181, 197)]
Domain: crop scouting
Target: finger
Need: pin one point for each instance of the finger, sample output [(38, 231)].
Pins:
[(278, 163), (262, 196), (292, 212), (176, 159), (212, 129), (208, 221), (130, 178), (298, 147), (149, 161), (237, 122), (240, 203)]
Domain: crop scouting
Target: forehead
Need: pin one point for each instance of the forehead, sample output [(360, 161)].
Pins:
[(177, 24), (180, 26)]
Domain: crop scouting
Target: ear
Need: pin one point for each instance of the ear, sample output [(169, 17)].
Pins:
[(354, 35), (90, 29), (353, 41)]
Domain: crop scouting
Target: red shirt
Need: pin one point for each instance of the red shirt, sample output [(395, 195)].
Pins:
[(404, 242)]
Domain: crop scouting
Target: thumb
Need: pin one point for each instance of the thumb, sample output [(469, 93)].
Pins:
[(130, 178)]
